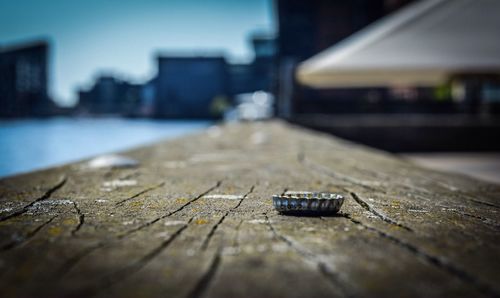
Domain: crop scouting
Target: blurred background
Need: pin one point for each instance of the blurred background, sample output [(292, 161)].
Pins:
[(417, 78)]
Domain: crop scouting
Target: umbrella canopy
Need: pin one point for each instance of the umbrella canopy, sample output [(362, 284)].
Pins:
[(423, 45)]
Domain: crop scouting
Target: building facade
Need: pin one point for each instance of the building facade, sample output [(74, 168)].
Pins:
[(24, 80), (309, 27), (193, 87), (186, 87), (110, 96)]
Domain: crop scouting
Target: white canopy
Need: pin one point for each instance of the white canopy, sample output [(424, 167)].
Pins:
[(421, 44)]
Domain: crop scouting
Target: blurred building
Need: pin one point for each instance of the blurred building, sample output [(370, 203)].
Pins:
[(264, 64), (109, 96), (309, 27), (186, 87), (432, 84), (148, 99), (259, 75), (24, 80), (241, 78)]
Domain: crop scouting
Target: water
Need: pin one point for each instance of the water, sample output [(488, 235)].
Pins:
[(27, 145)]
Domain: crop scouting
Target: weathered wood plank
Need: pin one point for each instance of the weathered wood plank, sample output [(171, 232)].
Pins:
[(195, 219)]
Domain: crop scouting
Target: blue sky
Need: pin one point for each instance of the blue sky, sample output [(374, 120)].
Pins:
[(121, 36)]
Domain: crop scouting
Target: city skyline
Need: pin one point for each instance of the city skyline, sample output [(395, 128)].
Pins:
[(123, 38)]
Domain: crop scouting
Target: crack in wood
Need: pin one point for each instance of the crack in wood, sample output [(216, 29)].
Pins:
[(472, 197), (74, 260), (221, 220), (484, 220), (140, 193), (93, 232), (47, 194), (450, 188), (147, 224), (485, 203), (309, 257), (333, 277), (27, 237), (71, 262), (204, 282), (302, 159), (378, 214), (81, 219), (124, 273), (436, 261), (202, 285), (278, 236)]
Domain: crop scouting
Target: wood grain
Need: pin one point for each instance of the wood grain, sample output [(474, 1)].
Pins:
[(195, 219)]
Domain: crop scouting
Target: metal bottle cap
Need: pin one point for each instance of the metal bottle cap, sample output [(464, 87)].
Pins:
[(308, 202)]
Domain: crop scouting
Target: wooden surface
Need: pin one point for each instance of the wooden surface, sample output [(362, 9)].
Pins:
[(194, 219)]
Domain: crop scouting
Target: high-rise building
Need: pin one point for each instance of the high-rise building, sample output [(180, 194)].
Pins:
[(24, 80)]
